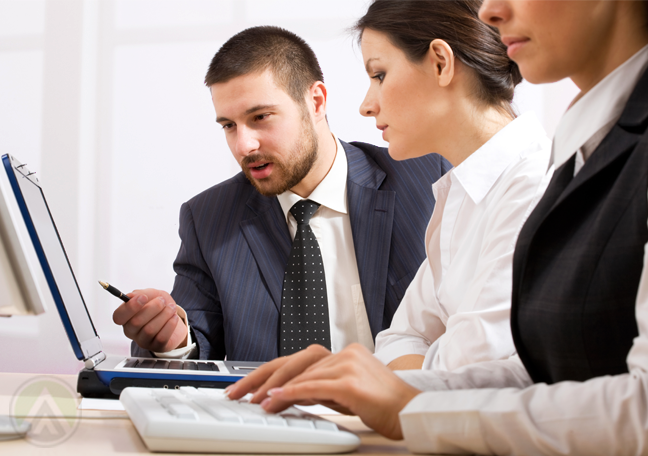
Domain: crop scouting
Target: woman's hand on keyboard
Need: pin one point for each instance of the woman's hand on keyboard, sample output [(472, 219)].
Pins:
[(276, 373), (353, 380)]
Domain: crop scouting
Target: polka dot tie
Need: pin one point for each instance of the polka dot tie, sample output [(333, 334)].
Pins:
[(304, 303)]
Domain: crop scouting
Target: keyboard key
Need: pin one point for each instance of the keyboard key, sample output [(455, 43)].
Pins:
[(221, 413), (326, 426), (190, 365), (276, 421), (254, 420), (300, 423), (146, 364), (175, 365), (161, 392), (161, 364), (182, 411), (292, 412), (131, 362), (212, 392), (168, 400), (204, 367)]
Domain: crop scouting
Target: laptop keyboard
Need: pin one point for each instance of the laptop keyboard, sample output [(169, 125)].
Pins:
[(139, 363), (204, 420)]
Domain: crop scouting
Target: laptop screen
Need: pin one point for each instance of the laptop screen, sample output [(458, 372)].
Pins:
[(53, 259)]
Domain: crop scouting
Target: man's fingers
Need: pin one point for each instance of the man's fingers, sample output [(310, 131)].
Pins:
[(153, 293), (161, 341), (127, 310), (149, 330), (146, 314)]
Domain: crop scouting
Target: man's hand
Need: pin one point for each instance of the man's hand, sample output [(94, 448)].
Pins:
[(276, 373), (150, 319), (354, 380), (407, 362)]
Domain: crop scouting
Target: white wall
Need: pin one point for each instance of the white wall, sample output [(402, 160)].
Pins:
[(105, 100)]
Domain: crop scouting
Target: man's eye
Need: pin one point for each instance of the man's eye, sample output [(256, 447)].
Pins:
[(228, 126), (379, 76), (261, 116)]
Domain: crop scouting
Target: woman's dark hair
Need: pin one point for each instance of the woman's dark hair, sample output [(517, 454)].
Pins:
[(412, 24)]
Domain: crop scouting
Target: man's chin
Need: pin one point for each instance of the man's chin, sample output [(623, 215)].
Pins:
[(266, 187)]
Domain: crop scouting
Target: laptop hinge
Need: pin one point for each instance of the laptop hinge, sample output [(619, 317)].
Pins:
[(92, 362)]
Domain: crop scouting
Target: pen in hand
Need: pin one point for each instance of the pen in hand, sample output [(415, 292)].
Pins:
[(114, 291)]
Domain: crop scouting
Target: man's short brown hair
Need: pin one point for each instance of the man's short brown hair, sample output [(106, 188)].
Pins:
[(292, 62)]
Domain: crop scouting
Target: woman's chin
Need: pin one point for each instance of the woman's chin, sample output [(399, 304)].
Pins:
[(403, 153), (536, 72)]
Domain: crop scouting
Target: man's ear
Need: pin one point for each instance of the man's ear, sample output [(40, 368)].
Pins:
[(442, 59), (316, 98)]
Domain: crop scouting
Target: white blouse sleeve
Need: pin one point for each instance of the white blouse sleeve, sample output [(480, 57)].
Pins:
[(416, 323), (602, 416)]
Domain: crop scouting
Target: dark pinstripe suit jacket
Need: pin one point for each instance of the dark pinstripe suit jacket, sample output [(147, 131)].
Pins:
[(235, 245)]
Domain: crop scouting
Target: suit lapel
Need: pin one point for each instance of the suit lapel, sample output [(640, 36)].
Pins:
[(371, 212), (267, 235), (623, 137), (616, 144)]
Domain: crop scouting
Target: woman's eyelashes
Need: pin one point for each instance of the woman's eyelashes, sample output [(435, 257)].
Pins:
[(379, 76)]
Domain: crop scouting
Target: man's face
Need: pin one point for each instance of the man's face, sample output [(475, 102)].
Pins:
[(271, 136)]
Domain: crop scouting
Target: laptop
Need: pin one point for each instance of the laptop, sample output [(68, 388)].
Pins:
[(104, 375)]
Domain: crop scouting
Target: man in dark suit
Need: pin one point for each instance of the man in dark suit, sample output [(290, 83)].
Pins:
[(236, 264)]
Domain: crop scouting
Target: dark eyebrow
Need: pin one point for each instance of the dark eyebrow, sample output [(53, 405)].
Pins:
[(248, 112), (369, 60)]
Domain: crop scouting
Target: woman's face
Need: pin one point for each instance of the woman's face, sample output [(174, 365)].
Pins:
[(552, 40), (404, 98)]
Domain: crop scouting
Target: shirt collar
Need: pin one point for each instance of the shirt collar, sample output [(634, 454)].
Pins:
[(600, 107), (331, 192), (478, 173)]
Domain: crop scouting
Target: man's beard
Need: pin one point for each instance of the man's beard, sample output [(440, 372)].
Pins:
[(291, 171)]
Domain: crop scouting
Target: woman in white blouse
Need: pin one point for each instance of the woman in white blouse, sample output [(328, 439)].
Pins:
[(433, 89), (502, 408)]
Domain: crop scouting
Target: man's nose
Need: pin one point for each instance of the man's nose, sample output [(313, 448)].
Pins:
[(247, 142)]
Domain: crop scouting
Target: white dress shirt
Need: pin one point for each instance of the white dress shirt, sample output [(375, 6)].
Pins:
[(332, 228), (456, 311), (602, 416)]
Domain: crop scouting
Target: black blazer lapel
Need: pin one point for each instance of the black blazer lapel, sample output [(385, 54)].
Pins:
[(623, 137), (269, 240), (616, 144), (371, 212)]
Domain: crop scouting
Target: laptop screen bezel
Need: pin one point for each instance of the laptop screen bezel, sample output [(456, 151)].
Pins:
[(82, 349)]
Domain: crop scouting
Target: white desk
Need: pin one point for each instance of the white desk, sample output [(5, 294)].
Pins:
[(108, 436)]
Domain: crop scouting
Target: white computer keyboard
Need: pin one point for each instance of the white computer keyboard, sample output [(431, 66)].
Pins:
[(204, 420)]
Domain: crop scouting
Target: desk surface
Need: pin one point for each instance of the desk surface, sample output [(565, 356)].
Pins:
[(112, 432)]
